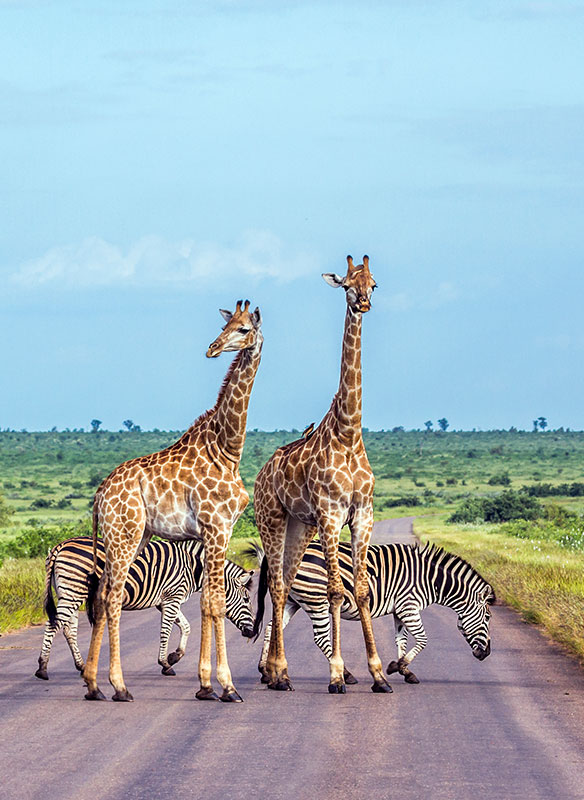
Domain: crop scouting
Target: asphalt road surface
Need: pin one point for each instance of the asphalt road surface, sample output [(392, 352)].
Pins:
[(509, 728)]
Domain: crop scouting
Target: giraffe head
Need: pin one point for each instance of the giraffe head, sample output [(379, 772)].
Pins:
[(358, 284), (241, 331)]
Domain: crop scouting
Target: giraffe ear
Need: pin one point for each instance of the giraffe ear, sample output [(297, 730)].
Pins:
[(225, 314), (333, 279), (256, 318)]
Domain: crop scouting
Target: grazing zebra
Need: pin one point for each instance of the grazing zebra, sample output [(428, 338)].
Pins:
[(403, 580), (164, 575)]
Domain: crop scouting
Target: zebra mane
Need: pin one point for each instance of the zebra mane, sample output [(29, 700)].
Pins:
[(440, 558)]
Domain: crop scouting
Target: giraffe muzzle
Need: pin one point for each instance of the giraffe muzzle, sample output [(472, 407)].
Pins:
[(213, 351)]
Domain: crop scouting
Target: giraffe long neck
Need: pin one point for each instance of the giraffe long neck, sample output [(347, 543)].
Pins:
[(230, 413), (348, 397)]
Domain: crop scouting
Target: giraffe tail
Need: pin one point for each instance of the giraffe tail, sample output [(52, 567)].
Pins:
[(92, 578), (48, 600), (262, 591)]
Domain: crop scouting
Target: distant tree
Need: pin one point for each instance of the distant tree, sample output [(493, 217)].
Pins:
[(542, 423), (535, 425), (398, 429), (95, 423), (429, 425), (136, 428), (443, 424), (128, 423), (54, 429)]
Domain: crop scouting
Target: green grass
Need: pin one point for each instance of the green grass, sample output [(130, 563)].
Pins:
[(22, 585), (529, 568)]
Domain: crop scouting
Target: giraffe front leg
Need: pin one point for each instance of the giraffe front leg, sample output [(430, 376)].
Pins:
[(113, 608), (206, 689), (89, 673), (361, 527), (289, 610), (329, 535)]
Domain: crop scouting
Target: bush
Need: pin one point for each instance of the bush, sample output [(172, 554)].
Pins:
[(405, 500), (38, 540), (500, 508), (548, 490), (502, 479)]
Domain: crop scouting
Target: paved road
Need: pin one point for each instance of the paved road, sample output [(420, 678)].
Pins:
[(510, 727)]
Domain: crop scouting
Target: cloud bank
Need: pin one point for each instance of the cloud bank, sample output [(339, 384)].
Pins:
[(154, 261)]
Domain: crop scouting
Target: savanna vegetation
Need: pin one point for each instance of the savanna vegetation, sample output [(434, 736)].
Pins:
[(494, 497)]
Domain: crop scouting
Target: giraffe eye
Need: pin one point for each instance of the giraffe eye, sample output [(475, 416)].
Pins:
[(244, 330)]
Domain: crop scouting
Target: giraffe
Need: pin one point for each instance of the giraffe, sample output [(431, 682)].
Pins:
[(190, 490), (320, 483)]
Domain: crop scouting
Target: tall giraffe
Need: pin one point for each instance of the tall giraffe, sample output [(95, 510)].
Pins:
[(190, 490), (323, 481)]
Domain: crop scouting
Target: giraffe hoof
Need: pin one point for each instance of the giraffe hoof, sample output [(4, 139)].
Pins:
[(206, 694), (264, 679), (95, 694), (42, 674), (123, 696), (410, 678), (283, 685), (337, 688), (168, 671), (230, 697), (381, 688), (392, 667), (350, 679)]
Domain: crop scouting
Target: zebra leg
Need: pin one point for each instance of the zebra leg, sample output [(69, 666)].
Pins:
[(45, 654), (361, 527), (321, 628), (182, 622), (412, 623), (170, 611), (401, 642), (70, 631), (289, 610)]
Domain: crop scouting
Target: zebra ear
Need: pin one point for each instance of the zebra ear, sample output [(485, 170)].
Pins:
[(246, 578), (489, 595)]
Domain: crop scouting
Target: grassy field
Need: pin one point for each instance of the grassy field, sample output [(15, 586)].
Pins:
[(536, 567), (47, 482)]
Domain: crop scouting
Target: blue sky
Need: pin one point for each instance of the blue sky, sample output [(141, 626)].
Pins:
[(161, 160)]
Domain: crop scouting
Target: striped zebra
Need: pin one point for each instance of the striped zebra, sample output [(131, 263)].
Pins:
[(403, 580), (164, 575)]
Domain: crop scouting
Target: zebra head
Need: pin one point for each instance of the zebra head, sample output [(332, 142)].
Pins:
[(238, 597), (474, 619)]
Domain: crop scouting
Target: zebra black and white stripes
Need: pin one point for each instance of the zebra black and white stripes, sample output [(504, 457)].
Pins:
[(403, 580), (164, 575)]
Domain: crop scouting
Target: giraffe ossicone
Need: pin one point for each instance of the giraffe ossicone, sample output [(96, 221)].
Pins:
[(190, 490), (320, 483)]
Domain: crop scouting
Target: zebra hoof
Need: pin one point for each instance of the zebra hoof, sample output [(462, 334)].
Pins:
[(381, 688), (230, 697), (174, 657), (206, 693), (283, 685), (80, 667), (123, 696), (409, 677), (337, 688), (392, 667), (95, 694), (42, 674), (167, 671), (350, 679)]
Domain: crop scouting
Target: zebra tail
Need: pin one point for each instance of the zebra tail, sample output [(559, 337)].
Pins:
[(92, 578), (262, 591), (48, 600)]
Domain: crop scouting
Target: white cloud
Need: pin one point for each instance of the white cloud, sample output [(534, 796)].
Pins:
[(154, 261)]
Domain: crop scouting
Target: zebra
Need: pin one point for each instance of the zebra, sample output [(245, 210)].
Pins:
[(164, 575), (403, 580)]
